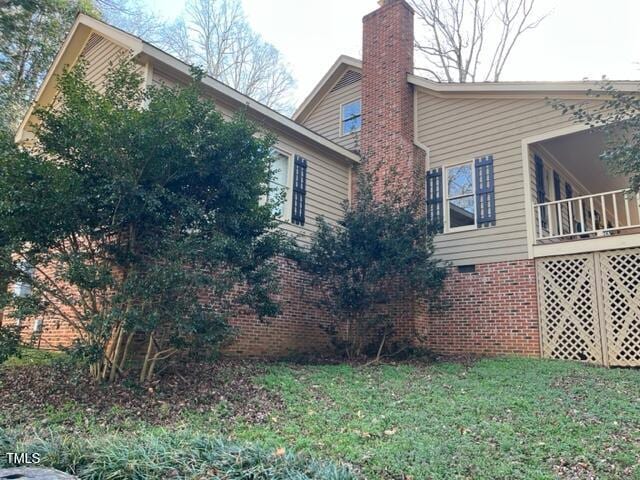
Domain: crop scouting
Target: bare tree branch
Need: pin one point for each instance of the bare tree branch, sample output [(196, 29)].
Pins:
[(216, 35), (460, 37)]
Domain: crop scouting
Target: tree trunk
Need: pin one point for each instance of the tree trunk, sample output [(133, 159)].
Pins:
[(116, 355), (147, 357)]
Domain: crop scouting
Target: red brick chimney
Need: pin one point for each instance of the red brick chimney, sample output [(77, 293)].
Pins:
[(387, 98)]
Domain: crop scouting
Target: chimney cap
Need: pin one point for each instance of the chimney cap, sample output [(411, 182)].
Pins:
[(384, 3)]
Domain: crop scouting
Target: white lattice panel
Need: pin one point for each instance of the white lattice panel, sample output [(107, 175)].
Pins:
[(620, 283), (569, 320)]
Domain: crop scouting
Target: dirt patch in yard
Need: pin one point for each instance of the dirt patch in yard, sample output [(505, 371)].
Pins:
[(63, 391)]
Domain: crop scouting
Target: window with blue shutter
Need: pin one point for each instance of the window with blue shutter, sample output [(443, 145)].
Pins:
[(485, 192), (540, 192), (299, 192), (433, 185)]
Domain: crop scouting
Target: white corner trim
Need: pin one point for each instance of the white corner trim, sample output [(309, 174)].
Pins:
[(416, 140)]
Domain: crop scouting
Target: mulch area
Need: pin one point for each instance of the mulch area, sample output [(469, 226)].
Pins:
[(32, 393)]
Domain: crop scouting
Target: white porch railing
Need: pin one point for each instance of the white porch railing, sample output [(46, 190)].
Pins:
[(600, 214)]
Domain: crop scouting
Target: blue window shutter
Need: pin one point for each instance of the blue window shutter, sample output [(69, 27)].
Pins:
[(485, 192), (541, 194), (434, 196), (298, 201)]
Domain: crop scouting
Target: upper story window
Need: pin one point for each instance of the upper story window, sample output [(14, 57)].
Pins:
[(350, 117), (279, 186), (460, 206)]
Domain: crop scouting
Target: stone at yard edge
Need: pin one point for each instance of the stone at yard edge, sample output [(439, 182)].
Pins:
[(30, 473)]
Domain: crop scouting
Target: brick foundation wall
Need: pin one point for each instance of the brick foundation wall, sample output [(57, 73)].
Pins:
[(492, 311), (296, 331), (54, 334)]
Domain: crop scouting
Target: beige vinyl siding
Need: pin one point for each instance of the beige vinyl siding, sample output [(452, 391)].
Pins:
[(325, 117), (458, 129), (99, 53), (327, 176)]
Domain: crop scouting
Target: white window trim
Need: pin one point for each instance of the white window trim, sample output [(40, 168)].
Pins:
[(286, 205), (445, 206), (342, 134)]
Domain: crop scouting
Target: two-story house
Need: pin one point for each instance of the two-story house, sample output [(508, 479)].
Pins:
[(543, 244)]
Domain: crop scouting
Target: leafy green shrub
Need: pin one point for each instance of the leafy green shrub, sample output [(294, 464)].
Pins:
[(379, 256), (153, 199), (9, 342), (159, 454)]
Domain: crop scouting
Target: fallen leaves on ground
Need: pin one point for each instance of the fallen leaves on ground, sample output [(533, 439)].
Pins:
[(44, 392)]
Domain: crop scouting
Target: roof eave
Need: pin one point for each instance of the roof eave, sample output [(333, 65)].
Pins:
[(166, 59), (540, 88)]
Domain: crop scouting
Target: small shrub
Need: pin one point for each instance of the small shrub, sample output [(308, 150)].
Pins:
[(379, 256), (9, 343)]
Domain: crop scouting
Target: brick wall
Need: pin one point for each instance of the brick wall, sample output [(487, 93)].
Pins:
[(298, 330), (492, 311)]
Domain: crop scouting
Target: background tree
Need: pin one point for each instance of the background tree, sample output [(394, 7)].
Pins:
[(123, 218), (133, 16), (31, 32), (470, 40), (216, 35), (618, 118), (379, 255)]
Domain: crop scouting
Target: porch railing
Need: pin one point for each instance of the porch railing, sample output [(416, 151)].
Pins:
[(588, 216)]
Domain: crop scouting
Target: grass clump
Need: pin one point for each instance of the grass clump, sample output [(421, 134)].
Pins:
[(31, 356), (160, 454)]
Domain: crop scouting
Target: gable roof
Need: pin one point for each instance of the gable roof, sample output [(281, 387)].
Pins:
[(326, 83), (79, 34), (503, 89)]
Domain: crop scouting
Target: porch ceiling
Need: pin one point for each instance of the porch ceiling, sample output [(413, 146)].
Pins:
[(579, 154)]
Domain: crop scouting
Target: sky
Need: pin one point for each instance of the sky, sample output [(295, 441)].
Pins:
[(578, 39)]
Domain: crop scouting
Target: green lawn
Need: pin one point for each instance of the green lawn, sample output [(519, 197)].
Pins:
[(494, 419)]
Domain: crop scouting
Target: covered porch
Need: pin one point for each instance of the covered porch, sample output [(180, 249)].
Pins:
[(584, 232), (576, 205)]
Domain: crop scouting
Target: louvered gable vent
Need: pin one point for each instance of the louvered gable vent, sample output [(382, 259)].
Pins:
[(93, 42), (349, 78)]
